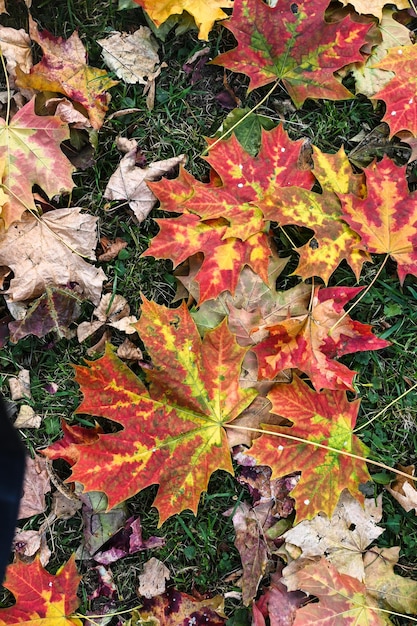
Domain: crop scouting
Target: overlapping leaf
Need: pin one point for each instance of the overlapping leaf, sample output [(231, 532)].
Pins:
[(42, 599), (311, 342), (293, 43), (64, 69), (327, 419), (30, 155), (223, 218), (172, 435), (386, 219), (205, 12)]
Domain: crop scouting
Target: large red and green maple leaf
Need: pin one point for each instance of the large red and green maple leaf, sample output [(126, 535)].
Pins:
[(42, 599), (172, 432), (312, 341), (223, 218), (326, 419), (293, 43), (31, 155), (386, 219)]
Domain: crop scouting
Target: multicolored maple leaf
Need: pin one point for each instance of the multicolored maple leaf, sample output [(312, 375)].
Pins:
[(64, 69), (327, 419), (172, 434), (42, 599), (30, 154), (311, 342), (293, 43), (223, 218), (386, 219)]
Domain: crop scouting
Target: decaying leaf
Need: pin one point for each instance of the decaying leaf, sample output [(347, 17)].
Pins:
[(404, 490), (50, 250), (15, 45), (36, 484), (27, 418), (132, 56), (174, 607), (128, 182), (277, 606), (152, 580), (375, 7), (342, 538), (20, 386), (113, 310)]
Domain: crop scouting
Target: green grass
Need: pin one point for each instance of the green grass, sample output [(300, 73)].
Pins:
[(199, 551)]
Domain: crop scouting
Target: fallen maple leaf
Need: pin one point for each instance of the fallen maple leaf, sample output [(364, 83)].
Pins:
[(29, 149), (128, 182), (386, 219), (42, 599), (132, 56), (342, 538), (36, 483), (374, 7), (205, 12), (15, 45), (175, 607), (399, 94), (223, 219), (311, 342), (172, 434), (277, 606), (63, 69), (342, 598), (390, 591), (50, 250), (325, 418), (293, 43)]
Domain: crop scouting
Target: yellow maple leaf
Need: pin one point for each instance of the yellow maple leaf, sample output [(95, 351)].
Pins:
[(205, 12)]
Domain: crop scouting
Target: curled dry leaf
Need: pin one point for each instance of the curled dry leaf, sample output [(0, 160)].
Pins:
[(15, 46), (112, 310), (404, 490), (129, 352), (50, 250), (132, 56), (111, 248), (128, 182)]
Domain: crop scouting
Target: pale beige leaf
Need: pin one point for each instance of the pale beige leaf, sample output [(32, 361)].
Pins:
[(111, 308), (20, 386), (126, 325), (51, 250), (16, 47), (128, 182), (86, 329), (63, 108), (370, 80), (35, 485), (374, 7), (27, 418), (342, 538), (404, 490), (152, 580), (132, 57), (3, 6)]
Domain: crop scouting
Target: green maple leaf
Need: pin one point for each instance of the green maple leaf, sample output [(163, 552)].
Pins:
[(224, 218), (293, 43), (172, 432), (325, 418)]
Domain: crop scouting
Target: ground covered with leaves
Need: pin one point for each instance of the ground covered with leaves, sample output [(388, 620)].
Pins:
[(208, 261)]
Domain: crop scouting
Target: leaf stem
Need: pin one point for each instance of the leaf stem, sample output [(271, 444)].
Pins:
[(6, 77), (227, 132), (355, 430), (363, 294), (322, 446)]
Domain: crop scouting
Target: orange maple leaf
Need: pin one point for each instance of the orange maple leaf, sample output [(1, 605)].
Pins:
[(42, 599)]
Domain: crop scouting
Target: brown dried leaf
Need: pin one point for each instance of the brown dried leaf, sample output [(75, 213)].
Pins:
[(20, 386), (111, 248), (132, 56), (15, 46), (36, 484), (129, 352), (50, 250), (128, 182), (152, 580)]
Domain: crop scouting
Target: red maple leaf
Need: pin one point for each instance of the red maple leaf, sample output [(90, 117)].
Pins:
[(293, 43), (311, 342), (223, 218), (327, 419), (386, 219), (42, 599), (172, 434)]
